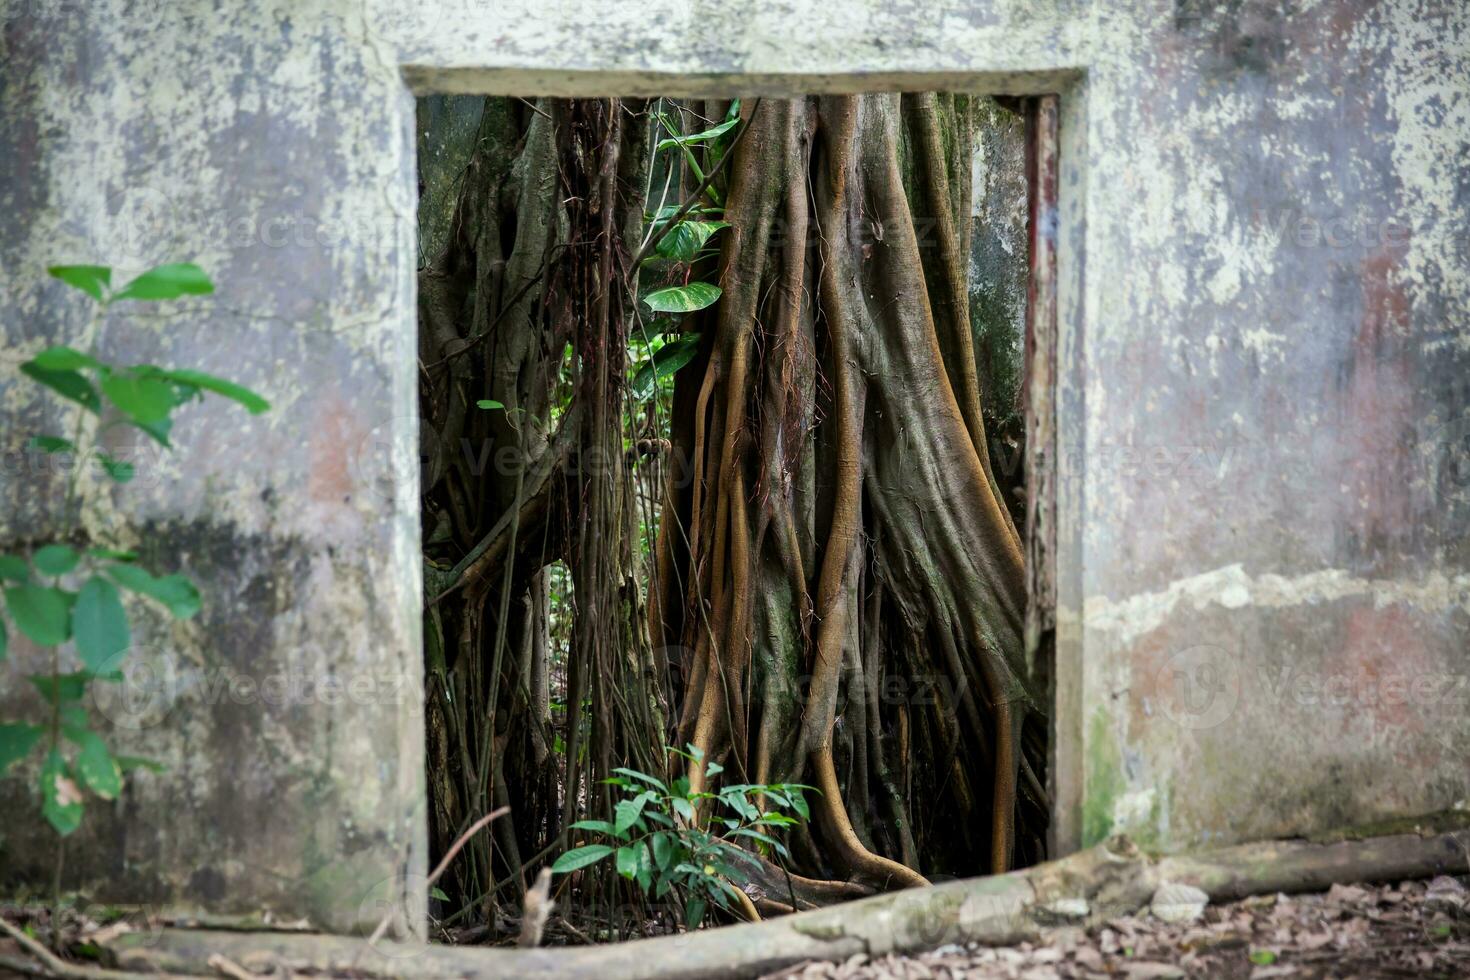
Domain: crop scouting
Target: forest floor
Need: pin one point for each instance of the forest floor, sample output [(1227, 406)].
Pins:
[(1412, 929)]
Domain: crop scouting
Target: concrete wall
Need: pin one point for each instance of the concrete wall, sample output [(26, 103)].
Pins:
[(1264, 433)]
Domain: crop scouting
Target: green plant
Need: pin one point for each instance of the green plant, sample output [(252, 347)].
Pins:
[(68, 592), (657, 840), (681, 234)]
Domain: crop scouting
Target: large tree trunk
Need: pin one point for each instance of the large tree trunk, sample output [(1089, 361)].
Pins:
[(840, 570), (836, 590)]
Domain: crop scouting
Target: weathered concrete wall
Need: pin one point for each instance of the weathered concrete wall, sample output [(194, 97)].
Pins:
[(272, 144), (1259, 430), (1273, 511)]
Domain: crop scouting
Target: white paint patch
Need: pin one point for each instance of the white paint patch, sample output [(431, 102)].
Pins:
[(1231, 588)]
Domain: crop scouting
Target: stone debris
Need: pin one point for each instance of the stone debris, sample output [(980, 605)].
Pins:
[(1411, 929), (1175, 903)]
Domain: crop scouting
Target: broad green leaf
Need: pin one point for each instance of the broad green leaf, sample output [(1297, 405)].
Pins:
[(694, 913), (664, 848), (627, 860), (253, 403), (174, 591), (157, 431), (699, 137), (683, 299), (99, 623), (51, 444), (16, 742), (489, 404), (601, 826), (65, 687), (117, 469), (685, 239), (642, 776), (96, 767), (55, 559), (1262, 957), (143, 399), (713, 769), (627, 812), (61, 799), (40, 612), (666, 360), (67, 384), (63, 358), (684, 808), (438, 894), (580, 857), (93, 280), (168, 282), (13, 568)]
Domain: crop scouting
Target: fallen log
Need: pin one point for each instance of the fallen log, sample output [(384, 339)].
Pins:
[(1105, 881)]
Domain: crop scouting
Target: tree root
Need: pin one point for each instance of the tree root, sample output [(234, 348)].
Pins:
[(1112, 879)]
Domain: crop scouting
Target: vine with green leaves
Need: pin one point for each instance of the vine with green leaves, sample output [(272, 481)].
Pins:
[(70, 592)]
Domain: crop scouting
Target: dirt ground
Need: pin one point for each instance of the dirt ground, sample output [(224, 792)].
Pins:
[(1412, 929)]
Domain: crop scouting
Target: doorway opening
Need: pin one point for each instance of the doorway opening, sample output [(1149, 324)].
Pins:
[(737, 543)]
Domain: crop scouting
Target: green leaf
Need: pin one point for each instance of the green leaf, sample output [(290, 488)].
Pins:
[(50, 444), (127, 763), (683, 299), (61, 803), (627, 860), (55, 559), (93, 280), (713, 769), (1262, 957), (694, 913), (109, 554), (643, 776), (97, 768), (67, 384), (142, 398), (168, 282), (699, 137), (63, 687), (254, 404), (63, 358), (685, 239), (684, 808), (16, 742), (489, 404), (174, 591), (626, 813), (580, 857), (13, 568), (40, 612), (666, 360), (116, 468), (438, 893), (600, 826), (664, 847), (99, 623), (157, 431)]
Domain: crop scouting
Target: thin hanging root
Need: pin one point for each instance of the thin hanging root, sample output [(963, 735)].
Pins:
[(833, 814)]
